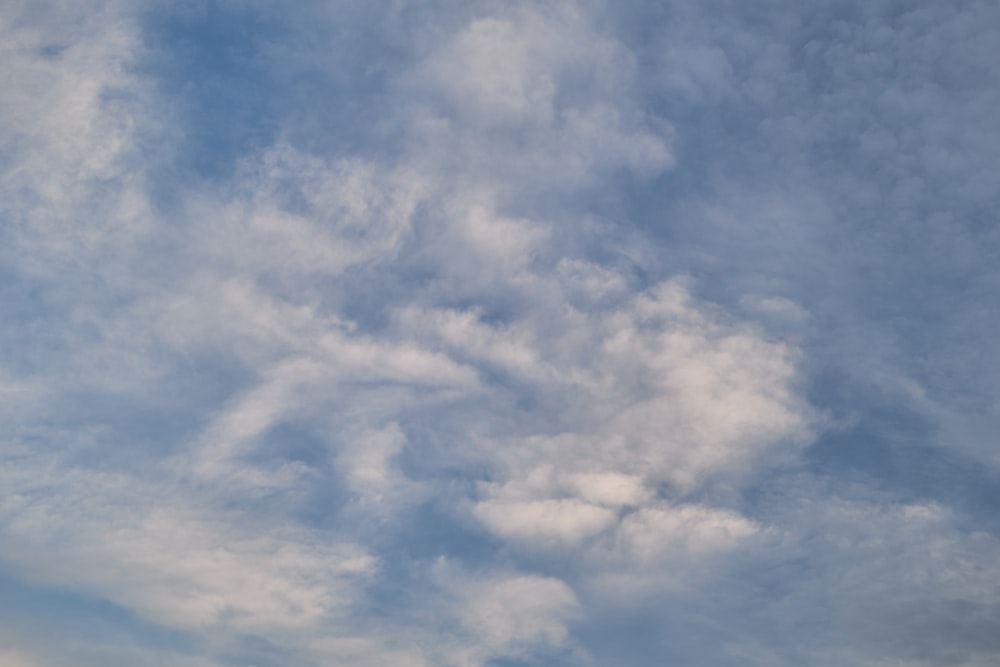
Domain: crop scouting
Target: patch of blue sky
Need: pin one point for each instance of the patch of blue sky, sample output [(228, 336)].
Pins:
[(210, 63)]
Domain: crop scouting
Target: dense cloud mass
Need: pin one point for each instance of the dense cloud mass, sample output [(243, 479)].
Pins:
[(499, 334)]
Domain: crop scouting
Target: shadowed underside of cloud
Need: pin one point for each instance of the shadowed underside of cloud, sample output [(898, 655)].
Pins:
[(499, 334)]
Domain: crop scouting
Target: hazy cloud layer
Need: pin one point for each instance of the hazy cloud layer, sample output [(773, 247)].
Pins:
[(499, 333)]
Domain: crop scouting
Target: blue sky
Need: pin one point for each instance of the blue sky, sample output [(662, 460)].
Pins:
[(499, 334)]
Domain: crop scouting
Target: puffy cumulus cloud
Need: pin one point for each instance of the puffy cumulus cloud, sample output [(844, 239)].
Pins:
[(646, 535), (518, 611), (548, 521), (659, 398), (529, 96), (505, 615), (653, 411)]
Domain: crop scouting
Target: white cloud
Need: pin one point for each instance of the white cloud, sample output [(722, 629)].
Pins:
[(520, 610), (436, 314), (506, 614), (532, 97), (609, 489), (496, 71), (255, 274), (558, 522), (653, 534), (141, 546), (662, 392), (72, 111)]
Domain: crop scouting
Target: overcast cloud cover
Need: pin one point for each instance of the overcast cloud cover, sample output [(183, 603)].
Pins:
[(499, 333)]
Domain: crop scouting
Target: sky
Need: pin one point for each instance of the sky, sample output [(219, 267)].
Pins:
[(499, 333)]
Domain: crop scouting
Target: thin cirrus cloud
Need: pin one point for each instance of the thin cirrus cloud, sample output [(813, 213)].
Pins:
[(498, 334)]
